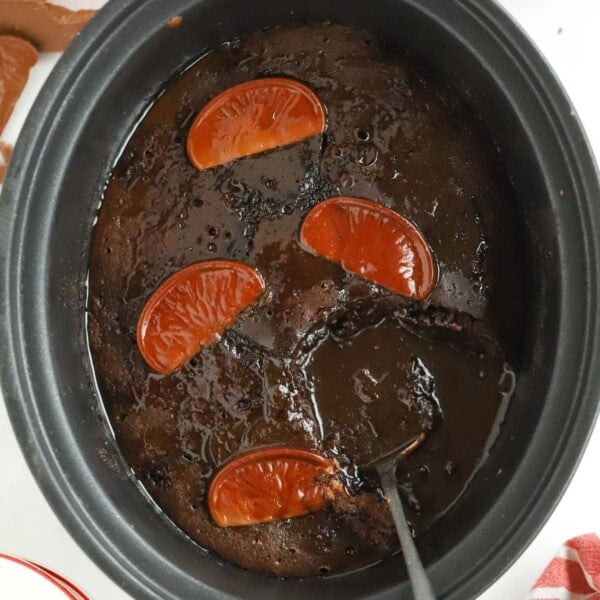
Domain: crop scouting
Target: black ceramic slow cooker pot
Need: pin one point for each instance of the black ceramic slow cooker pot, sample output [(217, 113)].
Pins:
[(71, 139)]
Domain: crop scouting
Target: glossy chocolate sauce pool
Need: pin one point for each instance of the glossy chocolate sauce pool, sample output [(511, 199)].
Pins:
[(325, 358)]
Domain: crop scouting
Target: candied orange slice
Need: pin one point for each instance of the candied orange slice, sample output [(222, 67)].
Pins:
[(269, 484), (253, 117), (192, 308), (373, 242)]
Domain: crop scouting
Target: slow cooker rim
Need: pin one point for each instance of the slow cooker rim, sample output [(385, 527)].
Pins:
[(24, 170)]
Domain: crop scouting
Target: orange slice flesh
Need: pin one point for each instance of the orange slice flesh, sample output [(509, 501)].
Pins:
[(371, 241), (269, 484), (253, 117), (192, 308)]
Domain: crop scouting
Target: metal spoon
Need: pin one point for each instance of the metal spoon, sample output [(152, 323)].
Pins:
[(386, 469)]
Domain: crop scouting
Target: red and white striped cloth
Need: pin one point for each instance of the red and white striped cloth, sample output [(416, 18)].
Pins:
[(573, 574)]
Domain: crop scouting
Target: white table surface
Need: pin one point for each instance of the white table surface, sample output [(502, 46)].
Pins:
[(567, 32)]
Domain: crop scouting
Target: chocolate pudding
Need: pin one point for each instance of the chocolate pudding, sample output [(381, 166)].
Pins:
[(324, 360)]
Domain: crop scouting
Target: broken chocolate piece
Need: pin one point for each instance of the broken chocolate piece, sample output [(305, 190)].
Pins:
[(5, 152), (48, 26), (16, 59), (17, 56)]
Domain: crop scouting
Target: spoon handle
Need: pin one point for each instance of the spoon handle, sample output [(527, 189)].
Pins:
[(416, 572)]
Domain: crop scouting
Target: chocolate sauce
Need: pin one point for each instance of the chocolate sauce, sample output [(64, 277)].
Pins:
[(325, 360)]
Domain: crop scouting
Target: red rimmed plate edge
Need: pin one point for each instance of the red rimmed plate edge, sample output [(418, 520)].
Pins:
[(64, 585)]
